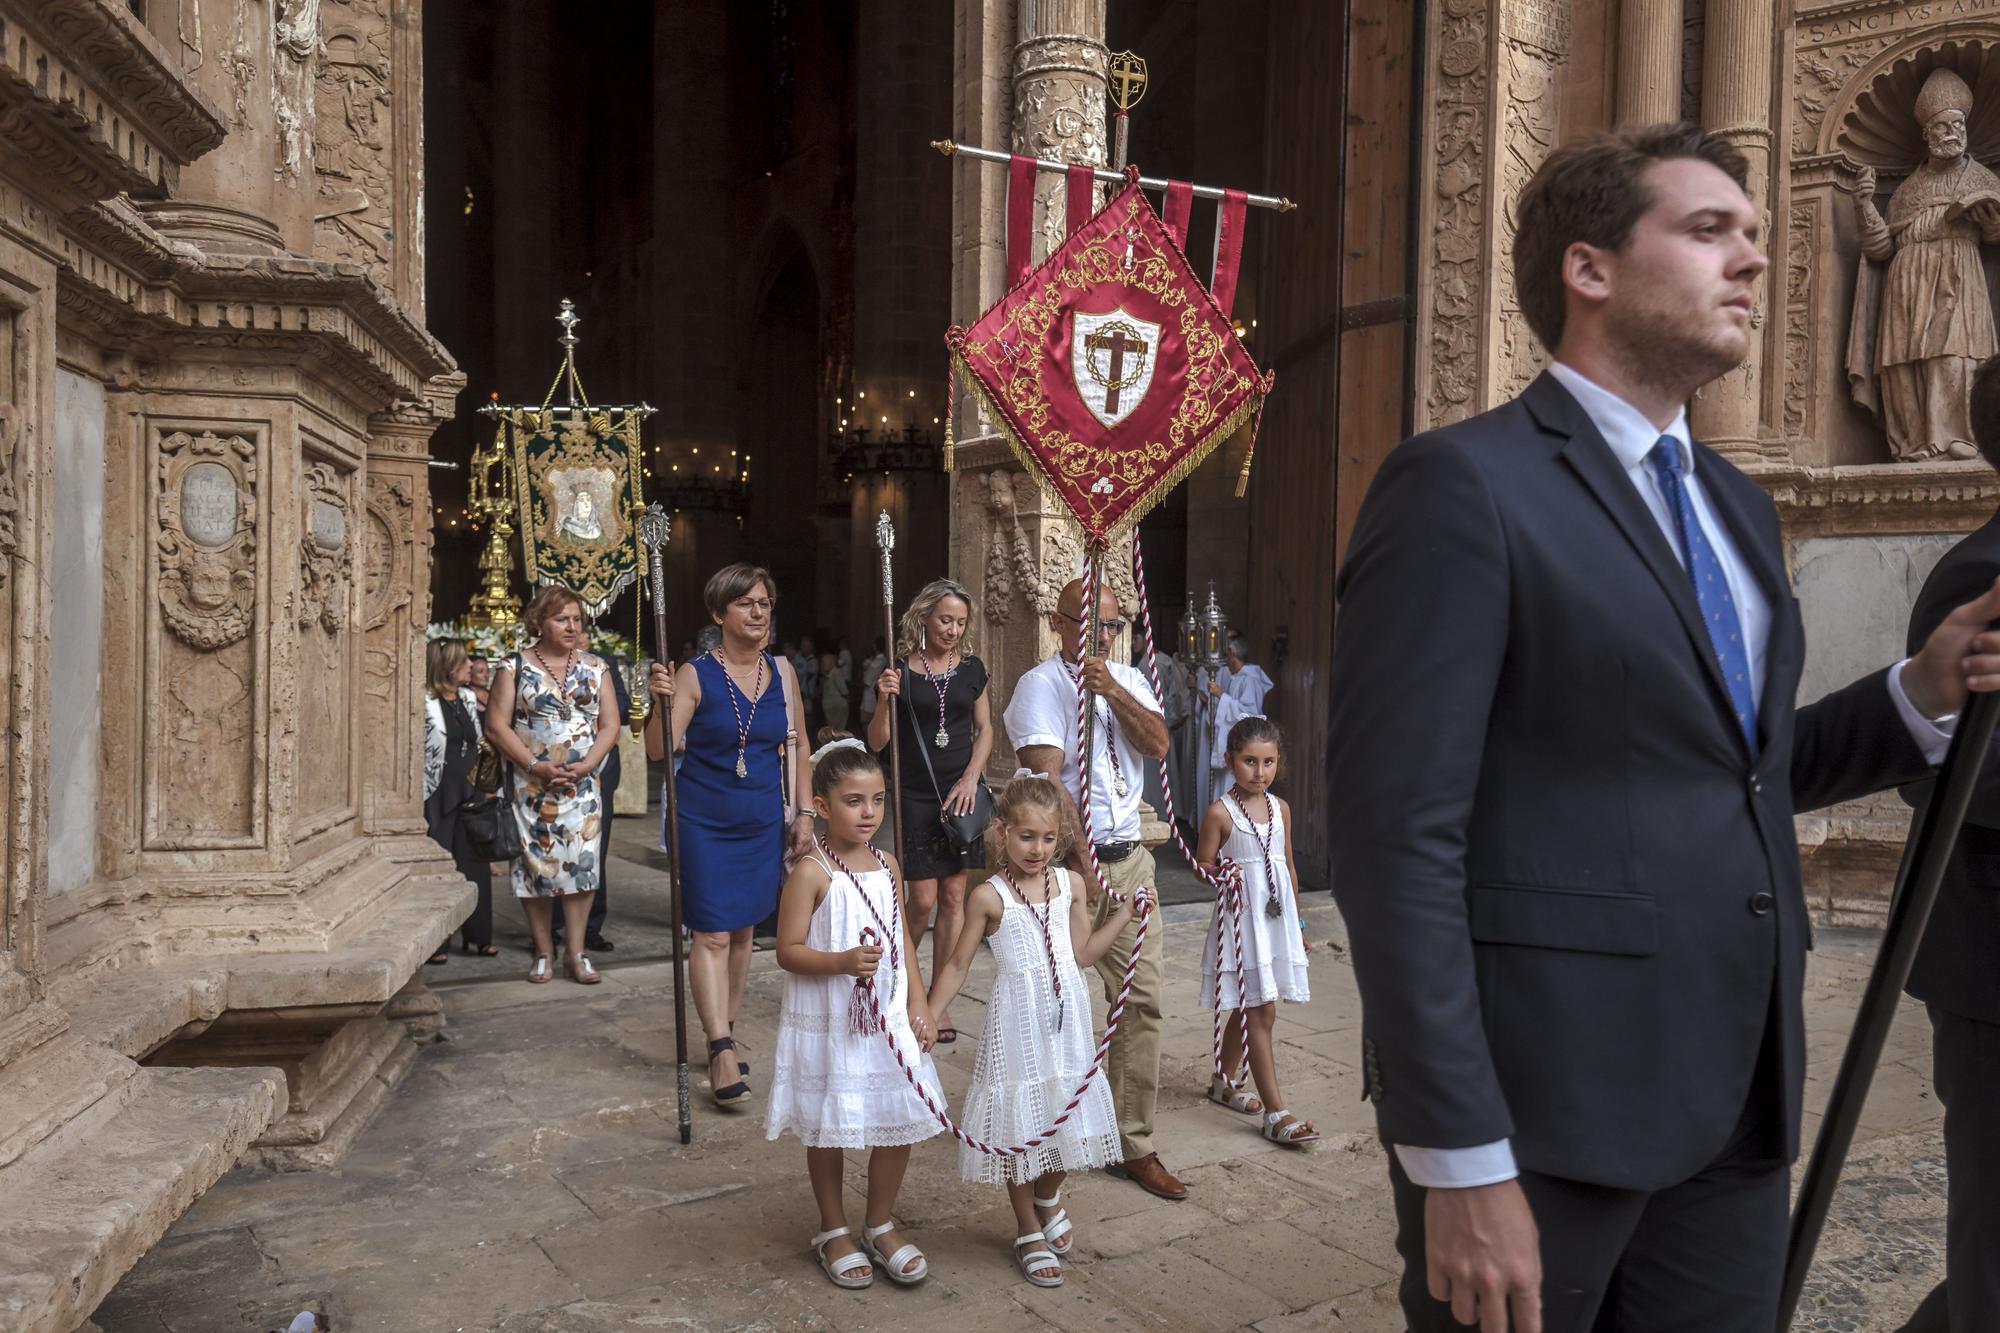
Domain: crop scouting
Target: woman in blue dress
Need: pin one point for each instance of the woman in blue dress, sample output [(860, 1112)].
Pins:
[(735, 716)]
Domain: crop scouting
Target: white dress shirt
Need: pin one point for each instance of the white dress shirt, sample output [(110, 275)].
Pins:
[(1042, 711), (1632, 437)]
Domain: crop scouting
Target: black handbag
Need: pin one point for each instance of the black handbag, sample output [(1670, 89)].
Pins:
[(962, 833), (490, 828)]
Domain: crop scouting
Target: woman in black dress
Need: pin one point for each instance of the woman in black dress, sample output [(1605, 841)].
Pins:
[(942, 713), (451, 744)]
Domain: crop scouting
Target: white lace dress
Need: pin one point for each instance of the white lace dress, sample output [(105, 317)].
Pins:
[(1274, 953), (1028, 1069), (830, 1086)]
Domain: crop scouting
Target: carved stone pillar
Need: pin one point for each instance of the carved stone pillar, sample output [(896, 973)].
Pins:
[(254, 61), (1059, 69), (368, 161), (1649, 62), (395, 607), (1736, 103)]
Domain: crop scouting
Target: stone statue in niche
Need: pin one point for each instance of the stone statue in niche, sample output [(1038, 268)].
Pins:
[(1923, 325)]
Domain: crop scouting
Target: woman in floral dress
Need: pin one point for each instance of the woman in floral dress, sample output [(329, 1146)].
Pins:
[(544, 716)]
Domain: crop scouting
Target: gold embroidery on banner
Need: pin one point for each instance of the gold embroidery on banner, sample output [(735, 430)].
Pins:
[(1132, 257)]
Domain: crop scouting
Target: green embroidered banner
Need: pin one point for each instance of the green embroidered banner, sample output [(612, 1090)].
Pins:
[(579, 497)]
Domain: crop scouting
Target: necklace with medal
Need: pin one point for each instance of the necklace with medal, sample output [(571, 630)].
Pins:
[(1265, 836), (743, 724), (1041, 917), (561, 682), (943, 736), (1110, 735)]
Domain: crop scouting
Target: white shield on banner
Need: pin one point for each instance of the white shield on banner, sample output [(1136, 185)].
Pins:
[(1113, 355)]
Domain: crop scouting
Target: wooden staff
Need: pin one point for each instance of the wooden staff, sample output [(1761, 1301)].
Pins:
[(654, 527), (885, 539), (1924, 860)]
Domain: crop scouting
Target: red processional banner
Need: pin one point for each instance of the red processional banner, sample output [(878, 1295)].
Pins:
[(1110, 369)]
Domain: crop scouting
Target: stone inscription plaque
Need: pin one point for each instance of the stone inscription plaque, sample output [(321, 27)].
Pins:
[(210, 505), (329, 526), (1542, 24)]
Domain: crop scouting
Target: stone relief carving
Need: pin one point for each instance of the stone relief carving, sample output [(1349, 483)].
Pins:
[(354, 217), (1530, 115), (1922, 321), (998, 594), (297, 28), (1800, 318), (1059, 114), (207, 546), (10, 436), (323, 550), (1458, 233), (391, 532)]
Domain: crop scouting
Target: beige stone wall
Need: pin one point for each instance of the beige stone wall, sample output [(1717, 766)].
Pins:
[(211, 230)]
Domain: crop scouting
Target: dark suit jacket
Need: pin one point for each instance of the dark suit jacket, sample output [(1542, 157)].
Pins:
[(1958, 964), (608, 775), (1572, 894)]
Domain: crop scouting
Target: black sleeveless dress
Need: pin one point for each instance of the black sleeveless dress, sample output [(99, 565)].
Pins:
[(925, 850)]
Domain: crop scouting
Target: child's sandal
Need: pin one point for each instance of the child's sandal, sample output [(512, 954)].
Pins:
[(850, 1271), (1288, 1131), (1241, 1100), (892, 1265), (1037, 1260), (1055, 1229)]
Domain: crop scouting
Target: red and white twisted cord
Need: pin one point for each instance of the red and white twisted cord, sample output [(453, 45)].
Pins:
[(1227, 877)]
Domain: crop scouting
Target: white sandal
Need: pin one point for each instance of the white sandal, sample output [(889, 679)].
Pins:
[(892, 1265), (1057, 1227), (1236, 1099), (842, 1272), (1296, 1134), (1028, 1263)]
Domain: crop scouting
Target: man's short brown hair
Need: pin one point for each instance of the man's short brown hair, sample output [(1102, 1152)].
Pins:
[(1594, 191), (1986, 410)]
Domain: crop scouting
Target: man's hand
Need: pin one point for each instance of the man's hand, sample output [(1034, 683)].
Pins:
[(1483, 1254), (1960, 656), (1097, 678)]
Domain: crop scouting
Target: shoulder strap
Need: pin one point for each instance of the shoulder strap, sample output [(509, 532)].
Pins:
[(917, 730)]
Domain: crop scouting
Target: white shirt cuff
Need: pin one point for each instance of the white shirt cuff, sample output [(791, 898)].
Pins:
[(1459, 1168), (1933, 738)]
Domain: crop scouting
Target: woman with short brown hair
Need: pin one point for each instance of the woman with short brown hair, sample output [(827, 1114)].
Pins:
[(451, 744), (546, 715), (733, 709)]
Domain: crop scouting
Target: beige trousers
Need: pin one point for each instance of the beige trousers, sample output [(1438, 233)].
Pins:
[(1132, 1066)]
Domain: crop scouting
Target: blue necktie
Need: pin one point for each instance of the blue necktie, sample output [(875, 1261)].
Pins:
[(1711, 589)]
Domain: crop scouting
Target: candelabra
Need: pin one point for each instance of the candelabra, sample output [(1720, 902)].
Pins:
[(491, 501)]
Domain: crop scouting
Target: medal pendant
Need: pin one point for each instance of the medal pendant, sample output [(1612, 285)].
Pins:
[(942, 739), (742, 769), (1273, 908), (1118, 784)]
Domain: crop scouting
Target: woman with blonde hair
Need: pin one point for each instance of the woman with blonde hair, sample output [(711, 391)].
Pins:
[(546, 715), (945, 734), (451, 744)]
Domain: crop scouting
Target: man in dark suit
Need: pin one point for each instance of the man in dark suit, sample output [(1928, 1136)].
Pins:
[(1957, 970), (1565, 760)]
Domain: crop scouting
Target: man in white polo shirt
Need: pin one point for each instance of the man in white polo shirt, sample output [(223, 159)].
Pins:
[(1130, 731)]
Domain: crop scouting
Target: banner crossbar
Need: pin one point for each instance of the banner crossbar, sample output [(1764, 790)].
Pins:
[(1110, 177)]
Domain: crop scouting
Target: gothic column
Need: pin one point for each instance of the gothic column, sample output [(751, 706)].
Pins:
[(1042, 93), (1649, 62), (1737, 42)]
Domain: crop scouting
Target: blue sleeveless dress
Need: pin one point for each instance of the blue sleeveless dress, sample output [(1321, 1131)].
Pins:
[(732, 829)]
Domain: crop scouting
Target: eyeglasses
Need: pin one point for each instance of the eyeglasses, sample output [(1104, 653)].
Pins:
[(1103, 626)]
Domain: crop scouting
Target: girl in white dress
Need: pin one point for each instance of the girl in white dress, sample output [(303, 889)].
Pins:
[(1254, 829), (835, 1082), (1039, 1039)]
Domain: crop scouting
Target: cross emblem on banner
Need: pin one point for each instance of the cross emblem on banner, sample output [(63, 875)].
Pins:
[(1117, 342)]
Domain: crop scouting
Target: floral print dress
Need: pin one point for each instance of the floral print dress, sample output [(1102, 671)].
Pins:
[(557, 721)]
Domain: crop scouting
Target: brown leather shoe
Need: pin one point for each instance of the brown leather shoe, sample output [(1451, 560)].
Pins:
[(1149, 1175)]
